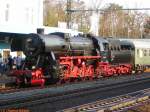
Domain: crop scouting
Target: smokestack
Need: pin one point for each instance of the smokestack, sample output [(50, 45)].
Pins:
[(40, 30)]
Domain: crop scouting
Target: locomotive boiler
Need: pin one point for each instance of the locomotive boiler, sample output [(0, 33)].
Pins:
[(36, 44)]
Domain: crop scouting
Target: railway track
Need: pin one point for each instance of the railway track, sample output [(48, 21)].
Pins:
[(58, 98), (11, 89), (115, 104)]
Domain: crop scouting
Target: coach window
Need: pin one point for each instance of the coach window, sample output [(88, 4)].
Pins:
[(129, 47), (126, 47), (132, 48), (111, 48), (122, 47), (118, 48), (137, 52), (140, 53), (145, 52), (114, 48)]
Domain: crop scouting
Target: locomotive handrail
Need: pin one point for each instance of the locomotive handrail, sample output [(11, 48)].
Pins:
[(81, 57)]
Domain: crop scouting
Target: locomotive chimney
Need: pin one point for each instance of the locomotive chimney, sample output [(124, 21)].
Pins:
[(40, 31)]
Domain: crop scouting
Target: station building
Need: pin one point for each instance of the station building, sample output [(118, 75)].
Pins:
[(19, 16)]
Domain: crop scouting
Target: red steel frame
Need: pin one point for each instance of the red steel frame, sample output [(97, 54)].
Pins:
[(74, 67), (77, 66)]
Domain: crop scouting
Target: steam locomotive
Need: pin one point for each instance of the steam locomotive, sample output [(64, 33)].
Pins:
[(58, 58)]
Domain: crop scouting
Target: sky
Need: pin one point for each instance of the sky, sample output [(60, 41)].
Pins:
[(124, 3)]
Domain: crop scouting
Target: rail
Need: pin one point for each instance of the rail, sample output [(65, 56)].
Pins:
[(114, 104)]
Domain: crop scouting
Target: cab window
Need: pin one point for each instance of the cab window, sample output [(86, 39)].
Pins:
[(106, 46)]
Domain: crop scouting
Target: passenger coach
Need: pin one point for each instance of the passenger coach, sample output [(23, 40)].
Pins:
[(141, 53)]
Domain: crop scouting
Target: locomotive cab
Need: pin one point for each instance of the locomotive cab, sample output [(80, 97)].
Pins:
[(101, 48)]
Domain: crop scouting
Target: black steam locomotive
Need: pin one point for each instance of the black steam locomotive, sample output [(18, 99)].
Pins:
[(58, 57)]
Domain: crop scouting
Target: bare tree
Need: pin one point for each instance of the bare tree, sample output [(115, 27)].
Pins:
[(118, 23), (147, 28)]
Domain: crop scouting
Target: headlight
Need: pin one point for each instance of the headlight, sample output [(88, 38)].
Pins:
[(33, 67), (14, 67)]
